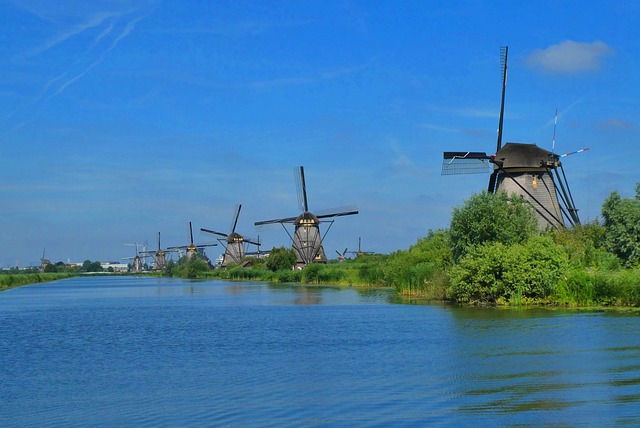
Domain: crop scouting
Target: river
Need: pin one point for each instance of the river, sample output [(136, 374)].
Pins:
[(129, 351)]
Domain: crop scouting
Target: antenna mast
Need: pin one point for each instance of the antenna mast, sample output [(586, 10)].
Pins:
[(504, 51)]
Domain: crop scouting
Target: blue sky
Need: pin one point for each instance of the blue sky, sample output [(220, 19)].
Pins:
[(121, 119)]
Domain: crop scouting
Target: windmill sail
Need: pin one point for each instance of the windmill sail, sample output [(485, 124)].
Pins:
[(455, 163)]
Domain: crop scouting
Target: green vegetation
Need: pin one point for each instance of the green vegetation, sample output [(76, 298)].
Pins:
[(10, 280)]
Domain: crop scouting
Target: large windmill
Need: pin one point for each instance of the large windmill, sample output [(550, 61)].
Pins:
[(191, 249), (306, 239), (527, 170), (235, 243)]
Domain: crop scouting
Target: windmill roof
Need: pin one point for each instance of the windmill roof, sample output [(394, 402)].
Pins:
[(306, 218), (519, 155)]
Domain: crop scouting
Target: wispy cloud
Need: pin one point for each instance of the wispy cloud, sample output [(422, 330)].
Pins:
[(570, 57), (90, 23), (111, 28)]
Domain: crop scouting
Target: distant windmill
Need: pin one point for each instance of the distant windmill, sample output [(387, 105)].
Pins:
[(159, 257), (136, 261), (191, 249), (342, 255), (235, 243), (44, 262), (359, 252), (306, 239), (523, 169)]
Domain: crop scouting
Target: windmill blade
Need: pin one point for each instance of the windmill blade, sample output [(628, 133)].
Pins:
[(190, 234), (213, 232), (235, 217), (345, 251), (340, 255), (301, 188), (566, 154), (275, 221), (454, 163), (337, 214), (206, 245), (504, 52)]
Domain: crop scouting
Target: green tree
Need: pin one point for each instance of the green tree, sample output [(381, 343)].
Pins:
[(622, 226), (191, 267), (491, 217), (281, 258), (50, 268), (89, 266)]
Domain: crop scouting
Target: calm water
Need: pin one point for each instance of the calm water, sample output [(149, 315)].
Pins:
[(118, 351)]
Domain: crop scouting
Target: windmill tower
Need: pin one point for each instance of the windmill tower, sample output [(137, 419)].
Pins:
[(191, 249), (234, 250), (306, 239), (523, 169)]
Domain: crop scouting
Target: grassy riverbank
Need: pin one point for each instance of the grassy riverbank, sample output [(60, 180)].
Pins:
[(12, 280)]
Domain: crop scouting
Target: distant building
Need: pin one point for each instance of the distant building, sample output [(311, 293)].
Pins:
[(115, 266)]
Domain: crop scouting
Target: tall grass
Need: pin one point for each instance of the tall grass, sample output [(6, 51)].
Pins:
[(16, 280)]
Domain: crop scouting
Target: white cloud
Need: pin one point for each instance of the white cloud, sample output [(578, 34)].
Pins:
[(570, 57)]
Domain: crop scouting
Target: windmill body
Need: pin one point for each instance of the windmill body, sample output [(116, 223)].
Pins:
[(306, 241), (527, 171)]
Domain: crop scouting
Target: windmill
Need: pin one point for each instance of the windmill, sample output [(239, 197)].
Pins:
[(235, 243), (360, 252), (306, 239), (191, 249), (159, 257), (527, 170), (341, 255), (44, 262), (136, 261)]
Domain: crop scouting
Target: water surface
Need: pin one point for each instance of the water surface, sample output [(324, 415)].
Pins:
[(127, 351)]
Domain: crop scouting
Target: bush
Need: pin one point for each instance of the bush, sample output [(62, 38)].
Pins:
[(491, 217), (520, 273), (281, 258)]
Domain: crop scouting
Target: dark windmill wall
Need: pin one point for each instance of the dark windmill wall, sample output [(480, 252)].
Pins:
[(526, 175), (307, 243), (234, 253), (159, 261)]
